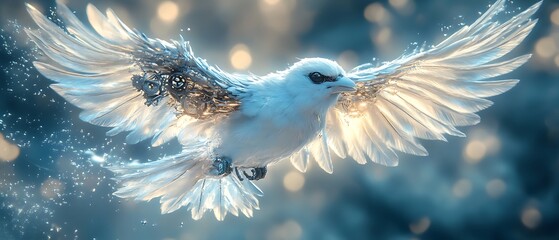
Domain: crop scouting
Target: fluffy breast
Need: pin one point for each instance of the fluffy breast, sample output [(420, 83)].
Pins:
[(261, 140)]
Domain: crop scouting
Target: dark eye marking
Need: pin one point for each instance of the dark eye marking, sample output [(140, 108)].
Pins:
[(318, 78)]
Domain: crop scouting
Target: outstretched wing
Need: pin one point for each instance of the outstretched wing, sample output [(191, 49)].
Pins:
[(424, 95), (124, 80)]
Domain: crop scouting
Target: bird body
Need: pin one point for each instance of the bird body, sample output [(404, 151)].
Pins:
[(229, 124), (272, 125)]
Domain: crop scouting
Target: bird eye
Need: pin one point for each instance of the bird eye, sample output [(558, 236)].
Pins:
[(318, 78)]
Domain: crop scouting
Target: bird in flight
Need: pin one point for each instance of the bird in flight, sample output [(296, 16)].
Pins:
[(232, 126)]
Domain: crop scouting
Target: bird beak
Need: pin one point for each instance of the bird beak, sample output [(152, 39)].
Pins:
[(343, 84)]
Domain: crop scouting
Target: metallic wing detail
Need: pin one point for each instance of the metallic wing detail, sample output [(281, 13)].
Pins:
[(125, 80), (425, 95)]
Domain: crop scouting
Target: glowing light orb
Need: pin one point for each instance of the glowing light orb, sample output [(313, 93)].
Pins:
[(495, 188), (293, 181), (545, 47), (8, 152), (240, 57), (271, 2), (555, 17), (168, 11), (398, 4), (462, 188), (420, 226), (474, 151), (531, 217), (52, 188), (376, 13)]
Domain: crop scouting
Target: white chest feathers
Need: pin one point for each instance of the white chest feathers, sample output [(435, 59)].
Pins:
[(261, 140)]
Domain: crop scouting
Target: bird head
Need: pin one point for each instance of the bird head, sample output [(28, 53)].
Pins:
[(317, 82)]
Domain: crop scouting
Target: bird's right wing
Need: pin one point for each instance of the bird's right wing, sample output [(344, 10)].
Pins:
[(125, 80), (425, 95)]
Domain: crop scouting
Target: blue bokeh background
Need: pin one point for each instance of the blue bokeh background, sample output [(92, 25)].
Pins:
[(501, 182)]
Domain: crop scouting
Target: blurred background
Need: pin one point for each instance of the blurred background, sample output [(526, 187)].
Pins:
[(501, 182)]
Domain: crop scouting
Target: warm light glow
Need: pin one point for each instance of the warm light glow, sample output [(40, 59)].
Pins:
[(293, 181), (420, 226), (555, 17), (492, 144), (168, 11), (288, 230), (293, 228), (348, 59), (8, 151), (462, 188), (474, 151), (240, 57), (531, 217), (271, 2), (52, 188), (545, 47), (495, 188), (383, 36), (376, 13), (398, 4)]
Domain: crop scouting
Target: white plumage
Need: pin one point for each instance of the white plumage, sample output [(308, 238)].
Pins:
[(313, 110)]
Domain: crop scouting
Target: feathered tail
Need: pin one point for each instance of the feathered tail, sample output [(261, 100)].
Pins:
[(185, 180)]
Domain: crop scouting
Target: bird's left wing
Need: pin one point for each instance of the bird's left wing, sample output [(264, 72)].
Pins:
[(425, 95), (125, 80)]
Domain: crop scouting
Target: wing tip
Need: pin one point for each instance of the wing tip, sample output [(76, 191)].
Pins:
[(302, 170), (393, 163), (513, 83), (30, 7), (57, 88), (33, 12), (537, 5), (328, 169), (91, 10)]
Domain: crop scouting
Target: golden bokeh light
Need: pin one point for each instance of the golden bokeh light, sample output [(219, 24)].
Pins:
[(376, 13), (492, 144), (348, 59), (398, 4), (545, 47), (52, 188), (420, 226), (168, 11), (462, 188), (294, 228), (289, 230), (531, 217), (382, 36), (495, 188), (293, 181), (554, 17), (8, 151), (240, 57), (405, 7), (271, 2), (474, 151)]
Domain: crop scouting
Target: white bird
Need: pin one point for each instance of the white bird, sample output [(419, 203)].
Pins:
[(232, 126)]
